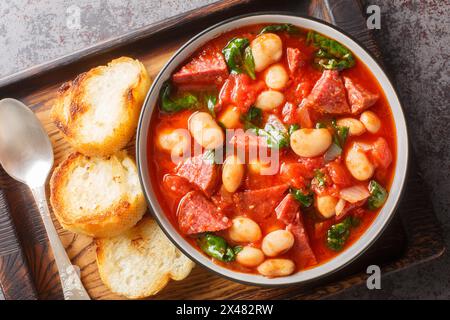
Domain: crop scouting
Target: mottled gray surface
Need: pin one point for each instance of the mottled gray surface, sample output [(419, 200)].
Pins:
[(415, 41), (36, 31)]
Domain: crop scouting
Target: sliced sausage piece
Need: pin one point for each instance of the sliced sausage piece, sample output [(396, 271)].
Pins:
[(287, 209), (302, 248), (259, 204), (196, 214), (328, 94), (294, 59), (289, 113), (360, 99), (208, 68), (177, 185), (201, 172)]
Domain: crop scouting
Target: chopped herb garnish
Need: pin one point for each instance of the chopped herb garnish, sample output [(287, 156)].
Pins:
[(340, 134), (293, 128), (305, 199), (319, 176), (378, 195), (339, 233), (321, 125)]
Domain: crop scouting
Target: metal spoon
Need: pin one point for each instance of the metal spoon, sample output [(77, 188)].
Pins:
[(26, 154)]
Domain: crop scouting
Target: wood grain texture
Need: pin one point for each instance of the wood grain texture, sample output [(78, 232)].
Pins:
[(394, 250), (16, 281)]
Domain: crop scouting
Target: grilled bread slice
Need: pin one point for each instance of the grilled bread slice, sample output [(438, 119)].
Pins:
[(97, 196), (141, 261), (98, 111)]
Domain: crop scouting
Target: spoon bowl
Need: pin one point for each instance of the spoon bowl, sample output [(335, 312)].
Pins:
[(25, 150)]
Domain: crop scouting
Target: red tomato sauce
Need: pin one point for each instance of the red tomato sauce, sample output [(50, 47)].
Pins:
[(298, 88)]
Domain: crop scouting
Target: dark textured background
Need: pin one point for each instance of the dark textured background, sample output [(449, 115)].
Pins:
[(414, 39)]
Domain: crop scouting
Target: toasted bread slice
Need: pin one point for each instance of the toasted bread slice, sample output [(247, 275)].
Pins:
[(140, 262), (99, 197), (98, 111)]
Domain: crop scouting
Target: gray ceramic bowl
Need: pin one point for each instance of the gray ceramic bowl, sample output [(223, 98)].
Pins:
[(348, 255)]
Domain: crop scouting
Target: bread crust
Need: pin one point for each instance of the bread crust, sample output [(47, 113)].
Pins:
[(73, 102), (122, 214), (137, 241)]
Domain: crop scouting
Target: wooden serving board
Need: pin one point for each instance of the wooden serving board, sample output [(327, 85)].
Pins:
[(413, 235)]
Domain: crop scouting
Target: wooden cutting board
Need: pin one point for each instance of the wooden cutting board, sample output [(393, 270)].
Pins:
[(154, 45)]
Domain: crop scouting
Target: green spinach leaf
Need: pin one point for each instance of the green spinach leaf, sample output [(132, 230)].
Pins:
[(217, 247), (211, 101), (330, 54), (286, 27), (238, 57), (253, 118), (167, 104)]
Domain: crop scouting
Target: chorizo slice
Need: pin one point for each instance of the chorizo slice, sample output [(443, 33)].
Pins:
[(177, 185), (328, 94), (294, 59), (201, 172), (302, 248), (196, 214), (360, 99), (207, 68), (287, 209), (260, 203)]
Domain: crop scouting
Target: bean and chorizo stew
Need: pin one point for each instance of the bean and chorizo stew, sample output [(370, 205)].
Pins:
[(324, 121)]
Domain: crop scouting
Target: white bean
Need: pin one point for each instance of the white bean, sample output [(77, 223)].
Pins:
[(276, 267), (310, 142), (276, 77), (257, 167), (355, 127), (250, 257), (230, 117), (205, 131), (358, 164), (269, 99), (370, 121), (277, 242), (244, 230), (175, 141), (266, 49), (326, 205), (232, 173)]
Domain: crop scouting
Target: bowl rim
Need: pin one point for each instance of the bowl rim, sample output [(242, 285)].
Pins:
[(351, 254)]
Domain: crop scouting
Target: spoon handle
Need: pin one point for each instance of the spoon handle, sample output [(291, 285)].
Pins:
[(72, 286)]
